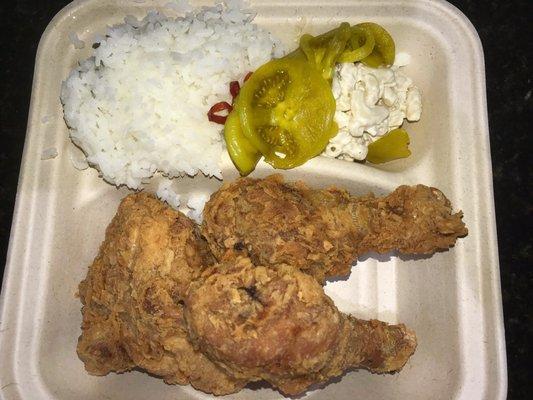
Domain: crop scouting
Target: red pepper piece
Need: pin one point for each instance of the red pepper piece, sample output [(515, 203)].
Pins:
[(213, 115), (234, 89)]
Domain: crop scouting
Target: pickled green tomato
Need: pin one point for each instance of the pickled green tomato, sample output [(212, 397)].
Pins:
[(286, 111)]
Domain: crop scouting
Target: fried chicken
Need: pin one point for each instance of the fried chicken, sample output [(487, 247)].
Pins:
[(276, 324), (153, 299), (133, 298), (323, 231)]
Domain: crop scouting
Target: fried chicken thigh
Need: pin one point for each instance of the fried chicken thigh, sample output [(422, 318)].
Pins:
[(323, 231), (278, 325), (133, 298)]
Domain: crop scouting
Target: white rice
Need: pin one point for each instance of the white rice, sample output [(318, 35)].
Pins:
[(196, 205), (77, 158), (139, 104), (167, 194), (191, 204)]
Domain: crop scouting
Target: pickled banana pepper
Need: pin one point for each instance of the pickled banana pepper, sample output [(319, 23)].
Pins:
[(391, 146), (285, 110)]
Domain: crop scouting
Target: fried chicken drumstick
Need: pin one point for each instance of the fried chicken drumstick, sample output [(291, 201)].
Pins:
[(261, 323), (133, 298), (323, 231), (153, 299)]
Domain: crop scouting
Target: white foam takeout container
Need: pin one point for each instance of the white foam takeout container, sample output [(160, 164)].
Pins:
[(452, 299)]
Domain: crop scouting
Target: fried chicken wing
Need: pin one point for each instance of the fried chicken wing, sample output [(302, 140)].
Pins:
[(133, 298), (261, 323), (323, 231)]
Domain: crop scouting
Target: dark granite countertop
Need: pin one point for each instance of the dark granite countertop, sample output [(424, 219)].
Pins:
[(506, 30)]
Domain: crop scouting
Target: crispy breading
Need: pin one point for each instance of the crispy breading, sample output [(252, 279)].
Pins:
[(133, 298), (278, 325), (152, 300), (323, 231)]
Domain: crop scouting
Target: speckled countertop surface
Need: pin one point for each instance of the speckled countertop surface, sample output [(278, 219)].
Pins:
[(506, 30)]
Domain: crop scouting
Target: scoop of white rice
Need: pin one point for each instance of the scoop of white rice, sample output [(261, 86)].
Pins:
[(139, 104)]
